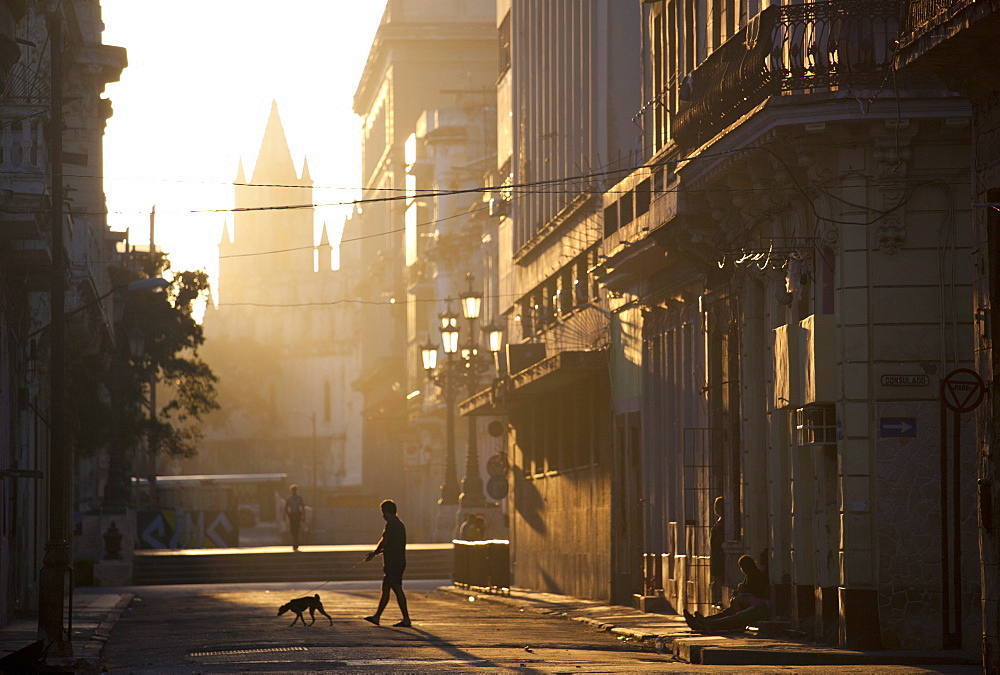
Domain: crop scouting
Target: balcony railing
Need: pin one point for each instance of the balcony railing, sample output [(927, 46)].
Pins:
[(923, 15), (22, 145), (794, 49)]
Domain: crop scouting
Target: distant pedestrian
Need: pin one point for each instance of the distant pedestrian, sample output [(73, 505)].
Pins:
[(392, 547), (295, 511)]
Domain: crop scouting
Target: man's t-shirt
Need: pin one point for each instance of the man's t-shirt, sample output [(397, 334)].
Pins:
[(295, 506), (394, 542)]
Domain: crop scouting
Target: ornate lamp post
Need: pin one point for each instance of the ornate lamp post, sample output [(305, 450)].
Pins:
[(472, 482), (446, 379), (452, 373)]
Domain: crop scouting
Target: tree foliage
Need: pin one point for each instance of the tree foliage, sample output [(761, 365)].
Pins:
[(169, 370)]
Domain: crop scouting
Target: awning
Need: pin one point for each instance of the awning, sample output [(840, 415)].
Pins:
[(559, 371)]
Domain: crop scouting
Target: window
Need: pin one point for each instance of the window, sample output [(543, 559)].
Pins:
[(503, 60), (642, 197), (816, 425), (611, 219), (625, 209)]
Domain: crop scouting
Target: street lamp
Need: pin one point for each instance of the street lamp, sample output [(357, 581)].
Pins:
[(429, 356), (472, 482), (472, 301), (449, 331), (494, 335), (445, 378), (452, 373)]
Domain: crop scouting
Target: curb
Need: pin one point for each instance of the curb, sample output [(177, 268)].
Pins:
[(724, 650), (89, 656)]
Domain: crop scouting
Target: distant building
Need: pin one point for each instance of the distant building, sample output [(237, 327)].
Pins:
[(430, 77), (568, 88), (278, 338)]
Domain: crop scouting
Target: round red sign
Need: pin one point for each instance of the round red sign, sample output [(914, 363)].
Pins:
[(962, 390)]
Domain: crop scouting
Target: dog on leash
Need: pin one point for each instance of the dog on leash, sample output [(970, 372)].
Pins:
[(300, 605)]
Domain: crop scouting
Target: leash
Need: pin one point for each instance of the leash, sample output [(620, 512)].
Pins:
[(355, 565)]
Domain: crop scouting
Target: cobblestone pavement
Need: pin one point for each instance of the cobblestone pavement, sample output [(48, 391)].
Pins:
[(234, 628)]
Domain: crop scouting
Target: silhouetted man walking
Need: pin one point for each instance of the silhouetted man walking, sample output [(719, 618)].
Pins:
[(295, 510), (392, 546)]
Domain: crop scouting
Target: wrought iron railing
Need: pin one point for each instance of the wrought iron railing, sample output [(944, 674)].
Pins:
[(923, 15), (793, 49), (22, 144)]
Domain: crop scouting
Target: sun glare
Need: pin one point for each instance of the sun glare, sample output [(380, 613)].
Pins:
[(196, 96)]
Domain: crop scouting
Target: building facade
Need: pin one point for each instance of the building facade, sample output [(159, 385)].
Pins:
[(428, 84), (32, 485), (952, 42), (789, 280), (567, 91)]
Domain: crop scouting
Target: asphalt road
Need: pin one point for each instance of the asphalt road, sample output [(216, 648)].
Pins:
[(235, 628)]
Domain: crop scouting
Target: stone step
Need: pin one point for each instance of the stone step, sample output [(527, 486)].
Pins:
[(315, 563)]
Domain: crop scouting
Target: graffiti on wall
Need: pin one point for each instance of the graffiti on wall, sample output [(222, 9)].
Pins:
[(175, 528)]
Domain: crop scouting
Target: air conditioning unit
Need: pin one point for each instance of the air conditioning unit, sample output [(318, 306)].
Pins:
[(787, 373), (816, 351), (499, 207)]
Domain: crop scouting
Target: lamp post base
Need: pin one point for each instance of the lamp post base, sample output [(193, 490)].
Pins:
[(52, 585), (444, 523)]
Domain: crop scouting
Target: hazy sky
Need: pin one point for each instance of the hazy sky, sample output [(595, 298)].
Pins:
[(195, 98)]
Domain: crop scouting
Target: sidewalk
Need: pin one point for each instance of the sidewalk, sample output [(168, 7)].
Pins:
[(669, 634), (94, 615)]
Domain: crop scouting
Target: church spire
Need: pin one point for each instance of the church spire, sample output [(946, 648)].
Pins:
[(306, 178), (240, 176), (274, 161), (324, 251)]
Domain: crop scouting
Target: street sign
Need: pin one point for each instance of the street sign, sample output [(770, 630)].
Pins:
[(905, 380), (497, 488), (897, 426), (962, 390)]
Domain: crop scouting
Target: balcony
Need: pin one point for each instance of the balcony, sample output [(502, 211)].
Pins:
[(923, 16), (795, 49), (950, 36)]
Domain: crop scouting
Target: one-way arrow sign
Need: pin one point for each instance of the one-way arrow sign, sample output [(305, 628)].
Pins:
[(897, 426)]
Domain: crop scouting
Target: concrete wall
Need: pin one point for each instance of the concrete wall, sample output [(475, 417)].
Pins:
[(561, 525)]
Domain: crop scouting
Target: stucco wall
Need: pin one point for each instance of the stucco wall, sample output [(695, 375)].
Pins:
[(908, 490)]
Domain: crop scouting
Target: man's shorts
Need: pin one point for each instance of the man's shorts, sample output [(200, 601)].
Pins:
[(393, 574)]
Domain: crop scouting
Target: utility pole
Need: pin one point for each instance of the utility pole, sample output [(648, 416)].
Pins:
[(151, 451), (52, 579)]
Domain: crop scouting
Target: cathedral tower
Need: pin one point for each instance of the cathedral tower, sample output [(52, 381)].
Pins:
[(270, 245)]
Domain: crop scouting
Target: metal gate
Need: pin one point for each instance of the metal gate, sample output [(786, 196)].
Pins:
[(698, 513)]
